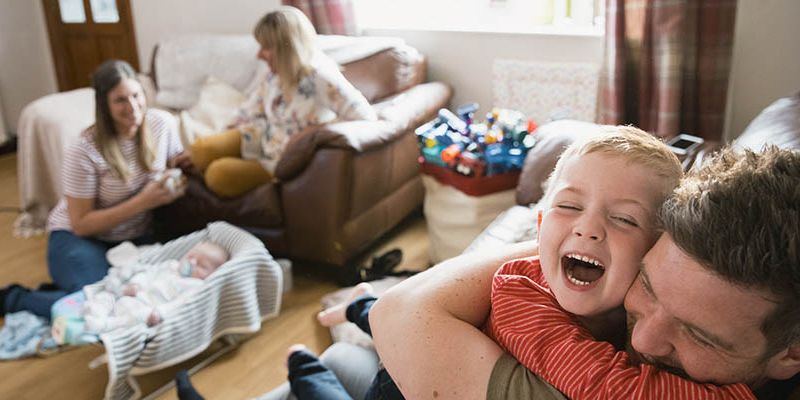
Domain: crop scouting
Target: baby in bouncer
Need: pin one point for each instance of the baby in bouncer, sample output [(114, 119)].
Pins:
[(136, 293)]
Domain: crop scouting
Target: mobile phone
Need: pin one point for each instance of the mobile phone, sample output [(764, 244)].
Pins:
[(684, 144)]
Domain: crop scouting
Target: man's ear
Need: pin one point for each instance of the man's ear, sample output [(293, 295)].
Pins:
[(785, 364)]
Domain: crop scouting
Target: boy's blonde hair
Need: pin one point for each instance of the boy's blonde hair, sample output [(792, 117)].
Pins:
[(634, 144), (289, 34)]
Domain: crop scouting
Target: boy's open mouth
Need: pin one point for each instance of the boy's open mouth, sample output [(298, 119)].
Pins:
[(582, 270)]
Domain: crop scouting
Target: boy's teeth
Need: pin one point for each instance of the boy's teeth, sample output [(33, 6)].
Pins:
[(577, 281), (586, 260)]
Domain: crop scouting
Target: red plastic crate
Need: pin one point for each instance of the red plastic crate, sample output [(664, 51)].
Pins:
[(471, 185)]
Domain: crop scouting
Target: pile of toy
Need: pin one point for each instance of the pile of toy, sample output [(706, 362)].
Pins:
[(492, 147)]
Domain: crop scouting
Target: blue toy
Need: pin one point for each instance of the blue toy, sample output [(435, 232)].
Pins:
[(497, 146)]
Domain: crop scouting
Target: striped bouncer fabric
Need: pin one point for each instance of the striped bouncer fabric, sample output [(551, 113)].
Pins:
[(235, 299)]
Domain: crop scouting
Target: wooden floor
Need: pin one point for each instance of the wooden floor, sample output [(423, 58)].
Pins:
[(254, 368)]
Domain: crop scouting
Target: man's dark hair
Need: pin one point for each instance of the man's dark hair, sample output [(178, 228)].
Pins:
[(739, 216)]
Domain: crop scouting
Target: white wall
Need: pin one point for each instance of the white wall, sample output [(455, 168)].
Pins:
[(464, 59), (26, 66), (766, 59)]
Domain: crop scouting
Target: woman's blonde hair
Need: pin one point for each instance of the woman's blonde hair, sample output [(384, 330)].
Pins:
[(106, 77), (288, 33)]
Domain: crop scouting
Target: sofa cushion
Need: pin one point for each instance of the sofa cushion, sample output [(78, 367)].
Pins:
[(777, 124), (180, 66), (216, 107), (387, 72)]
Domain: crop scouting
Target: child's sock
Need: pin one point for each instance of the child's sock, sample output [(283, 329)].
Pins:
[(184, 387)]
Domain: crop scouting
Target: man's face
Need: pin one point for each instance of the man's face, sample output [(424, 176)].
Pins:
[(684, 318)]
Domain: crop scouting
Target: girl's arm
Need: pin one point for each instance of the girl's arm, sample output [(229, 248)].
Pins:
[(338, 94)]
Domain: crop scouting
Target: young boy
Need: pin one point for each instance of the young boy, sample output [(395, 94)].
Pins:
[(597, 224)]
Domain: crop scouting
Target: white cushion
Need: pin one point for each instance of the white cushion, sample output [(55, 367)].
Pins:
[(216, 107)]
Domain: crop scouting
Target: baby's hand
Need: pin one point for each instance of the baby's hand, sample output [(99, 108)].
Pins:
[(153, 319), (130, 290)]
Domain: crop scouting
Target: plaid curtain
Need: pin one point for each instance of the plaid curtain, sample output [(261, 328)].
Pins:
[(330, 17), (666, 65)]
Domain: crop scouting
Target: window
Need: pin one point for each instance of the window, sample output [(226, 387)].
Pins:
[(507, 16), (105, 11), (72, 11)]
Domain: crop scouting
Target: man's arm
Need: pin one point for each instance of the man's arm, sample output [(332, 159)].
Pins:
[(426, 328), (529, 323)]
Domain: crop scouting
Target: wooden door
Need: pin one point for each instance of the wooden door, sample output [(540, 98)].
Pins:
[(84, 33)]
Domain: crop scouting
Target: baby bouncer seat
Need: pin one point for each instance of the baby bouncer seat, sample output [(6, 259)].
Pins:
[(233, 301)]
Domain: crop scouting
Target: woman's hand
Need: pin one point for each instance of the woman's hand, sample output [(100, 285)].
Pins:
[(88, 221), (183, 161), (156, 193)]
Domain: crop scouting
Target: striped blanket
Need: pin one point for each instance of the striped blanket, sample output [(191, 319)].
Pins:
[(234, 300)]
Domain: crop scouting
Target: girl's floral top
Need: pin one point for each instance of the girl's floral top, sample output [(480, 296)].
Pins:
[(269, 117)]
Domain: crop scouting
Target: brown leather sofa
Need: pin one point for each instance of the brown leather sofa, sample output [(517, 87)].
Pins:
[(778, 124), (340, 188)]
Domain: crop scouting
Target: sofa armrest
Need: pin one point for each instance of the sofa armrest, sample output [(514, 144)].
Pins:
[(358, 136), (399, 114), (415, 106)]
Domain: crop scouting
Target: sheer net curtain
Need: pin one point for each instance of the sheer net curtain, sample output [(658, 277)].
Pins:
[(666, 65), (330, 17)]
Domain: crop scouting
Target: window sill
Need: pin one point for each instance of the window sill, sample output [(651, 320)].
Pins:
[(548, 30)]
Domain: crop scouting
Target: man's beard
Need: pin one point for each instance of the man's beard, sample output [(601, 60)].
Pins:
[(662, 363)]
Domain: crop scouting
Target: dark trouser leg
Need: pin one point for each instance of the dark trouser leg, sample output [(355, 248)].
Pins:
[(37, 302), (358, 312), (383, 388), (73, 262), (310, 380)]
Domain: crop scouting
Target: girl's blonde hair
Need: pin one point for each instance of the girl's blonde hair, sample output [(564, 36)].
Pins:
[(633, 144), (106, 77), (288, 33)]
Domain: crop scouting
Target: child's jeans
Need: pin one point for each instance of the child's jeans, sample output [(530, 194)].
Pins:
[(310, 379)]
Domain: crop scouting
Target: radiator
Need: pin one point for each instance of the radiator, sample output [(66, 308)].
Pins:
[(546, 91)]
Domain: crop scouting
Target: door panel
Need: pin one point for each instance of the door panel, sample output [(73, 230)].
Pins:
[(78, 48)]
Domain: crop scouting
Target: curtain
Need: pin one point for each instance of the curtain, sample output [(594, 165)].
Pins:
[(666, 65), (3, 134), (330, 17)]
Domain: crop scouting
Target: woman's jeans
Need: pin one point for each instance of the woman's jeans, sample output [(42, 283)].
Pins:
[(73, 262)]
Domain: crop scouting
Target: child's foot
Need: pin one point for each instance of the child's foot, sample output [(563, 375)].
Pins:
[(4, 292), (295, 348), (336, 315)]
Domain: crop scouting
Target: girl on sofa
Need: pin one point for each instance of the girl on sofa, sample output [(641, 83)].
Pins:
[(301, 90), (109, 188)]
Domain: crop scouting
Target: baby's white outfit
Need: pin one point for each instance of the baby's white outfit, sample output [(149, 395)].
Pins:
[(158, 286)]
